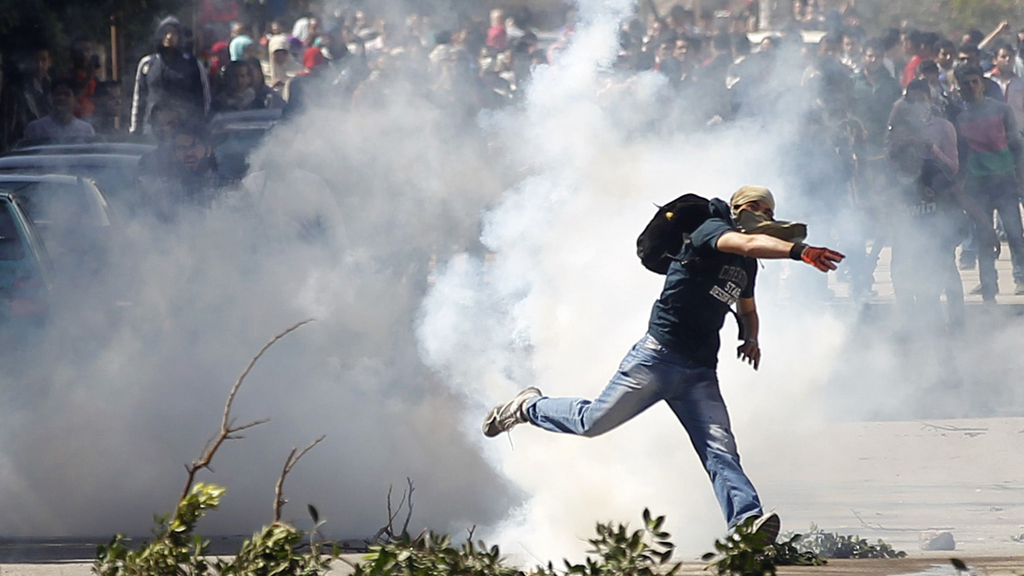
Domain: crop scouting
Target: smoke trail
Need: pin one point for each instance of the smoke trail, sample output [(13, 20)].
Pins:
[(341, 218)]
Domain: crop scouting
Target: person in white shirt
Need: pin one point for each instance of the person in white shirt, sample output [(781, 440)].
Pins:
[(60, 123), (1009, 82)]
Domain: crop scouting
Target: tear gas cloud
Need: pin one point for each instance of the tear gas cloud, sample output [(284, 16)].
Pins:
[(449, 266)]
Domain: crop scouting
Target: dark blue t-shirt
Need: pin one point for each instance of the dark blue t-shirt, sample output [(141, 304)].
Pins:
[(697, 295)]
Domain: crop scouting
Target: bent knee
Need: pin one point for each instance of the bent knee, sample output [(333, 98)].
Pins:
[(595, 429)]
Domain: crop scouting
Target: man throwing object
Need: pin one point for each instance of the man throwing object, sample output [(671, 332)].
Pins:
[(676, 360)]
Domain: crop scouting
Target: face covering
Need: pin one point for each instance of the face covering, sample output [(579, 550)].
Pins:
[(751, 222)]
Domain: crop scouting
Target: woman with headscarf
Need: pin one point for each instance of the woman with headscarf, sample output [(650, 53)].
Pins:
[(281, 66), (170, 74), (243, 47), (219, 57)]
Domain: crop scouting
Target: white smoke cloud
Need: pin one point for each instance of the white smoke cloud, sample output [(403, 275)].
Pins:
[(532, 227), (561, 297)]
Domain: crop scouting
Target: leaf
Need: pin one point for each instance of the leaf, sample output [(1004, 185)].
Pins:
[(958, 564), (313, 513), (708, 557)]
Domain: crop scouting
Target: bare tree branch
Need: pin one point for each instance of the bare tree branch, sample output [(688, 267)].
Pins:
[(228, 430), (289, 463), (388, 530), (408, 516)]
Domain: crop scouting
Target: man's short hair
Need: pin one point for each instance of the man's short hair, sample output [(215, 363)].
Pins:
[(928, 66), (919, 86), (963, 72), (970, 50), (855, 32), (161, 108), (1002, 46), (976, 36), (945, 44), (890, 38), (694, 42), (876, 45), (198, 130)]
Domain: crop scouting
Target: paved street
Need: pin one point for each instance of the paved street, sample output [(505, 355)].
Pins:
[(888, 480)]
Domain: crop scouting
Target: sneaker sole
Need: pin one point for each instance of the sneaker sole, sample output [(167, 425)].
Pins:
[(770, 526), (490, 426)]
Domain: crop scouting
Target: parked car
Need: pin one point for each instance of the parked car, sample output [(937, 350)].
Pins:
[(71, 214), (114, 173), (126, 148), (24, 268)]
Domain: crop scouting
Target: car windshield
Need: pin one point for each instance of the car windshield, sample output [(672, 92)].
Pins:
[(11, 245)]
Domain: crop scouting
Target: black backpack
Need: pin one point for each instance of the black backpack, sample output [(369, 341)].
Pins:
[(664, 236)]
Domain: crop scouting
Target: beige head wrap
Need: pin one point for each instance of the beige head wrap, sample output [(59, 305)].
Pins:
[(751, 223), (748, 194)]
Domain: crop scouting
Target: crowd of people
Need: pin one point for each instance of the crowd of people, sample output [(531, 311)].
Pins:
[(907, 116)]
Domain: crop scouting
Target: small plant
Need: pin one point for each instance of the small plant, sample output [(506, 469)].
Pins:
[(832, 545), (745, 553), (1018, 538), (174, 549), (643, 552), (748, 553), (789, 553), (615, 552)]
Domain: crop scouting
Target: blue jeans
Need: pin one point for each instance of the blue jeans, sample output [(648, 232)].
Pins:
[(648, 374)]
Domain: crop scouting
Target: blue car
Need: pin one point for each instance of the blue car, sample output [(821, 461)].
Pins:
[(24, 268)]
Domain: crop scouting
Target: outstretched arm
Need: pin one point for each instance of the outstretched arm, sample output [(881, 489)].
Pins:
[(1002, 27), (771, 248)]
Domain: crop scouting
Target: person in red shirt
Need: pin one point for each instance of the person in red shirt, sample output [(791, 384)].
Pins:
[(917, 48), (497, 36), (83, 76)]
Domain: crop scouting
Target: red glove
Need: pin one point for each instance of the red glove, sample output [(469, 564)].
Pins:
[(821, 258)]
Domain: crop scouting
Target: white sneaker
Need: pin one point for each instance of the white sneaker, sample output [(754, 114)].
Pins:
[(504, 417)]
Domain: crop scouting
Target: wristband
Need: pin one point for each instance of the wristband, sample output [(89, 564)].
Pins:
[(797, 250)]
